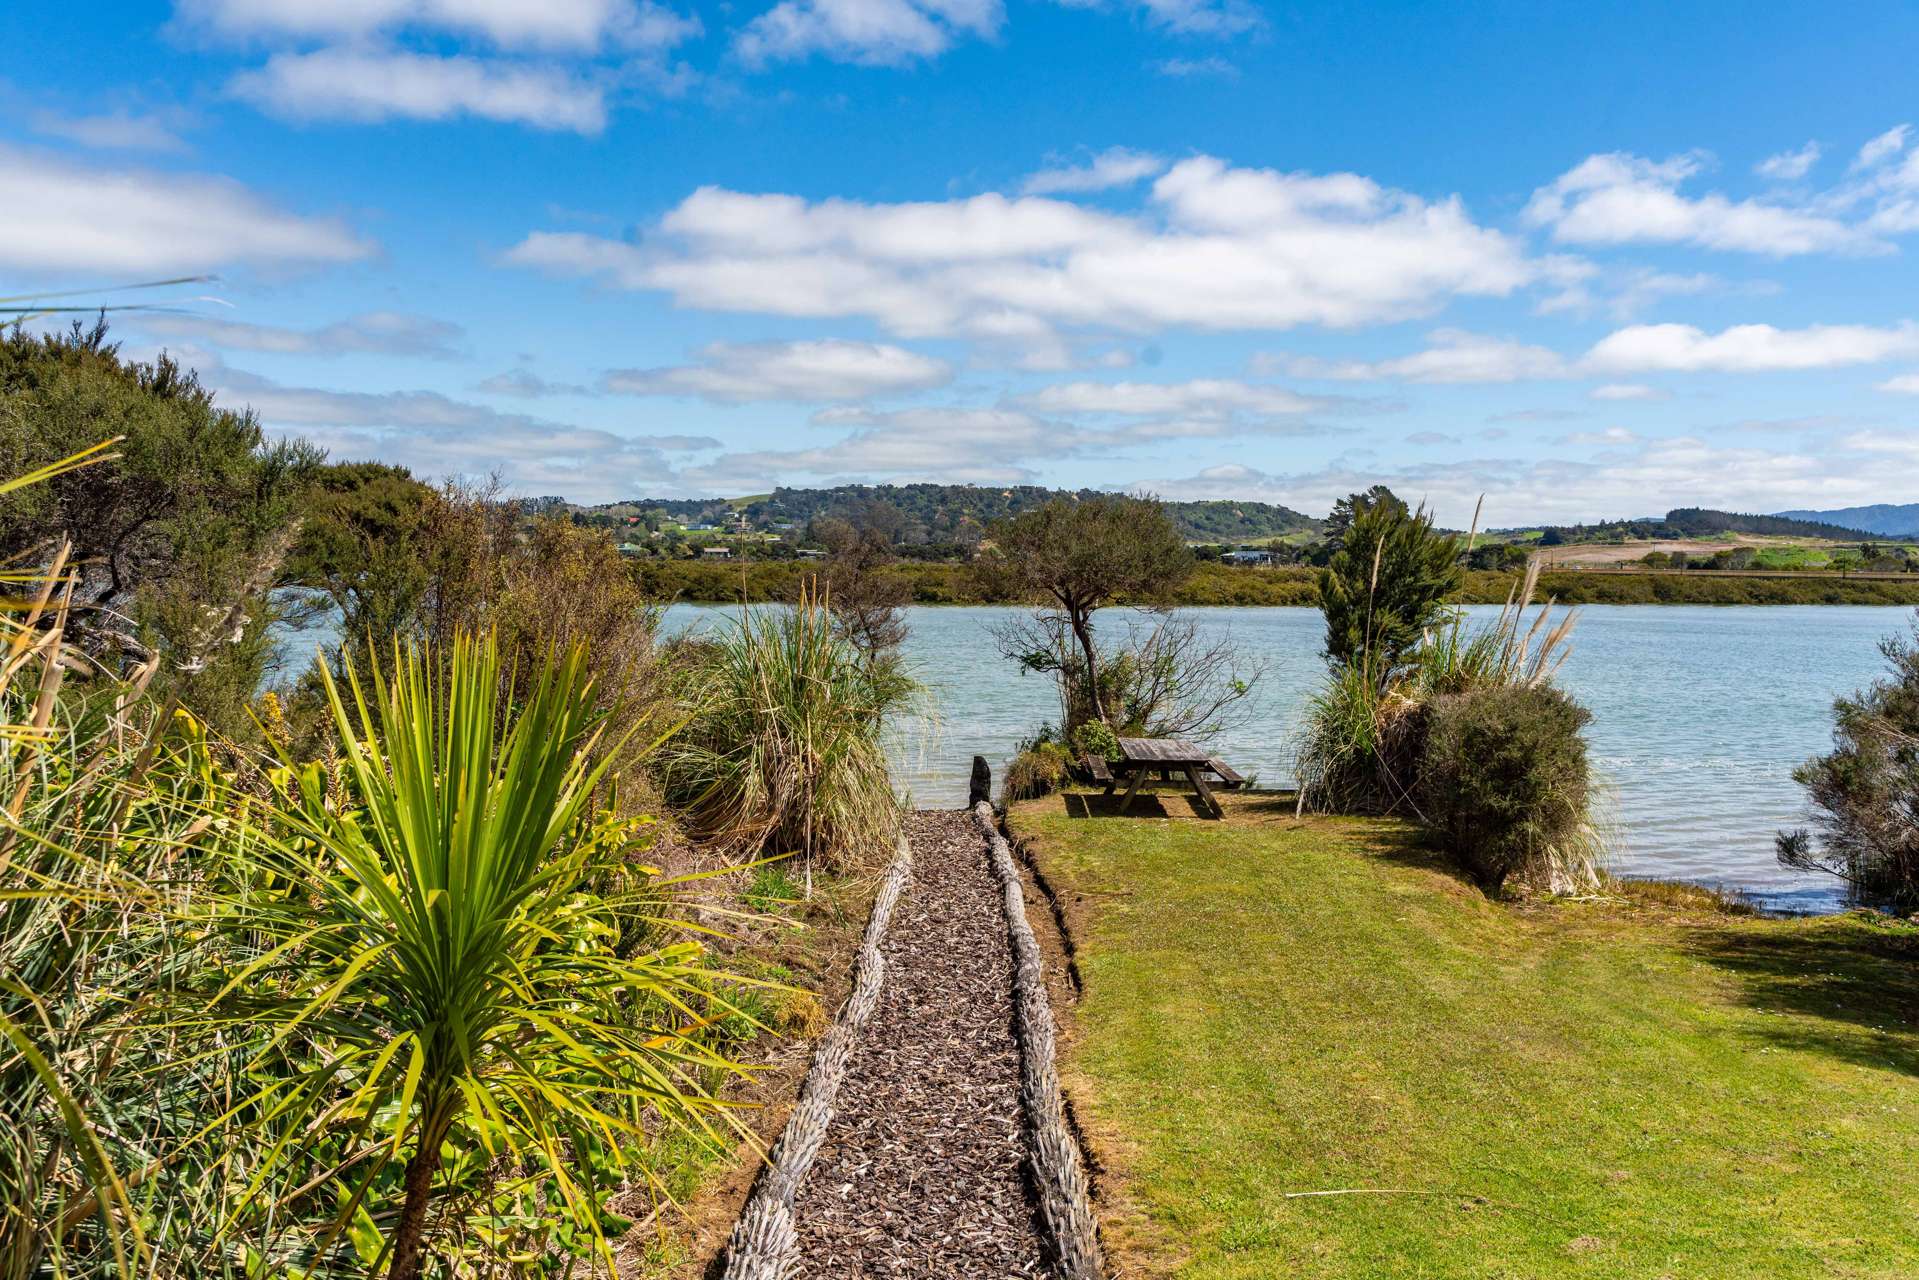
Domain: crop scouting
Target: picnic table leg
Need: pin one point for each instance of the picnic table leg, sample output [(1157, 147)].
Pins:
[(1204, 792), (1132, 785)]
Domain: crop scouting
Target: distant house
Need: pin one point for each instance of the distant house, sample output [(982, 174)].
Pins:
[(810, 553), (701, 528), (716, 553), (632, 549), (1247, 556)]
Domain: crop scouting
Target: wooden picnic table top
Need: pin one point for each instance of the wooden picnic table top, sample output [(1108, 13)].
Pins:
[(1157, 751)]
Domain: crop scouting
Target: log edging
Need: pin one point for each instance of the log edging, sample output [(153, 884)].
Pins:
[(1058, 1167), (764, 1243)]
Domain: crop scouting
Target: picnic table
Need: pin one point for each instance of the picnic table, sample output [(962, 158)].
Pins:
[(1139, 756)]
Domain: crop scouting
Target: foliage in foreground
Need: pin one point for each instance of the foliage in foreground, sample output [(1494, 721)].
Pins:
[(426, 959), (1866, 790), (419, 1006), (783, 749)]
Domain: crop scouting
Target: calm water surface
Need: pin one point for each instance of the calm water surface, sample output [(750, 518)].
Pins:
[(1699, 716)]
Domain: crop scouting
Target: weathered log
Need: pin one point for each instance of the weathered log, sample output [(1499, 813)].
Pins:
[(1059, 1171), (763, 1245)]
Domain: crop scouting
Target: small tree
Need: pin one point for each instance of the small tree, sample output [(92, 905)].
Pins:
[(1867, 788), (1386, 585), (864, 597), (1078, 555)]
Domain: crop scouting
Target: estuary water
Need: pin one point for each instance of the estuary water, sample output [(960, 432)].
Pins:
[(1699, 716)]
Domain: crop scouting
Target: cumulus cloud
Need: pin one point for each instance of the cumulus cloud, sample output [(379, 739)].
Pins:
[(1624, 476), (1748, 348), (1215, 67), (575, 25), (1904, 384), (871, 32), (114, 130), (1201, 17), (1789, 166), (826, 369), (438, 436), (1113, 167), (527, 385), (1617, 391), (1215, 248), (64, 217), (1877, 150), (376, 333), (370, 86), (1204, 397), (1622, 199), (1455, 356)]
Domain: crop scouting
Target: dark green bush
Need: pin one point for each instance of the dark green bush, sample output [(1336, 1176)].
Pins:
[(1865, 792), (1505, 780)]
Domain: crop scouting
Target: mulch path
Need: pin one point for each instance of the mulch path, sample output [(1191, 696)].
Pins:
[(921, 1172)]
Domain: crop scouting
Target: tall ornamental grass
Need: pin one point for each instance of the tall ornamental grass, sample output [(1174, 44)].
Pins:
[(783, 750)]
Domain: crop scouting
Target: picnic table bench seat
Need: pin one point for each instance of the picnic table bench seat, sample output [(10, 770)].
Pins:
[(1138, 756), (1096, 768), (1227, 776)]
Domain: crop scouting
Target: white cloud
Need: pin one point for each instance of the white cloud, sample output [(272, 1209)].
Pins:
[(1617, 391), (1454, 357), (527, 385), (1789, 166), (826, 369), (437, 436), (1204, 397), (1113, 167), (579, 25), (1882, 147), (871, 32), (1215, 248), (1748, 348), (1904, 384), (63, 217), (1214, 67), (359, 85), (1203, 17), (1622, 199), (114, 130), (376, 333), (1625, 477)]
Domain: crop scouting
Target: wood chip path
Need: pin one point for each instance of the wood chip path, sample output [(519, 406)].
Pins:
[(920, 1174)]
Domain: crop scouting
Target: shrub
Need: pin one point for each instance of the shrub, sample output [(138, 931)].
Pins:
[(1040, 768), (1386, 584), (1866, 789), (1505, 781), (783, 746), (1096, 739)]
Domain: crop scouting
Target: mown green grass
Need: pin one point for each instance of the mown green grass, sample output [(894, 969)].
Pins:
[(1628, 1089)]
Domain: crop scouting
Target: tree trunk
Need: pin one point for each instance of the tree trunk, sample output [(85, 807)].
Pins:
[(419, 1191), (1082, 628)]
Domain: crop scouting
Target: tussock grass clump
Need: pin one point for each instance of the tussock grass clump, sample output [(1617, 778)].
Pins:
[(783, 750)]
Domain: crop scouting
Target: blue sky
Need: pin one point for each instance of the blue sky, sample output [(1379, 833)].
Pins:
[(1590, 261)]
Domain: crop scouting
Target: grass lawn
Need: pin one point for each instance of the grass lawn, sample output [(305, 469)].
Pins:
[(1645, 1087)]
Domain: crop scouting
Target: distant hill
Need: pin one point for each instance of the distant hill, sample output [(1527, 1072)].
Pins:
[(946, 513), (1695, 522), (1884, 518)]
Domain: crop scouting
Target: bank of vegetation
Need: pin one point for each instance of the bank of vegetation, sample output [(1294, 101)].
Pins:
[(436, 952)]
